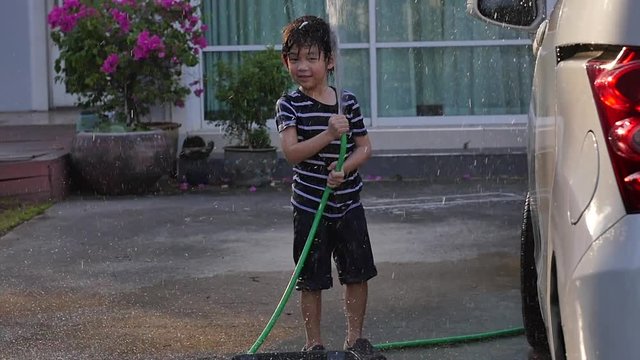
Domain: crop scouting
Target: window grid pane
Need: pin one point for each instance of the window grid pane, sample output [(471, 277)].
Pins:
[(433, 20), (356, 77), (415, 81), (454, 81)]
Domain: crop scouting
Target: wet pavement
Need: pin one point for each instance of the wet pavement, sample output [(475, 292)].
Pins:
[(197, 275)]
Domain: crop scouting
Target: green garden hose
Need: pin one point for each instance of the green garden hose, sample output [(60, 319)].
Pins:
[(303, 255), (450, 339)]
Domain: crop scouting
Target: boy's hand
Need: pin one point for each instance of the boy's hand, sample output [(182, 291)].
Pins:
[(336, 178), (338, 125)]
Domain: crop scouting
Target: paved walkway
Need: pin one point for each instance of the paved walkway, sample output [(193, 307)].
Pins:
[(197, 275)]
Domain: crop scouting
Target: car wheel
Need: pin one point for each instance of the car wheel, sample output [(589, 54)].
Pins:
[(531, 314)]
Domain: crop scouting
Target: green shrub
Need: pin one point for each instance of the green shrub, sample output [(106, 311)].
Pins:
[(248, 93)]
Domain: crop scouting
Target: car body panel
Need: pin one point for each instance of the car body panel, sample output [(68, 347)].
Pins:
[(542, 156), (598, 22), (583, 178), (576, 178), (602, 290), (589, 182)]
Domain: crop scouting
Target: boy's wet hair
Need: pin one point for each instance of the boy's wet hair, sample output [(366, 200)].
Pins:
[(307, 31)]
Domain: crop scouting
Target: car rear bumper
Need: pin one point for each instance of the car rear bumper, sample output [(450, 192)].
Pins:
[(601, 308)]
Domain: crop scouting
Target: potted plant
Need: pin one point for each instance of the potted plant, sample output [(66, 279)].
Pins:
[(248, 93), (121, 58)]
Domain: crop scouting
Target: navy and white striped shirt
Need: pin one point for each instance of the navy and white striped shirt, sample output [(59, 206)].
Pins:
[(311, 117)]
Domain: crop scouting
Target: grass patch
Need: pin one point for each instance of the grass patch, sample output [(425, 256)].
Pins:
[(14, 213)]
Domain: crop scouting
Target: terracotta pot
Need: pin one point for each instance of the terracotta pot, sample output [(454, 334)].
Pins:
[(250, 167), (122, 163)]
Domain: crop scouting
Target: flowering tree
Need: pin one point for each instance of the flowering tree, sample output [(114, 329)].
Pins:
[(123, 56)]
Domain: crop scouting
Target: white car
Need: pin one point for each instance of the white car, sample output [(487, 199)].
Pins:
[(581, 229)]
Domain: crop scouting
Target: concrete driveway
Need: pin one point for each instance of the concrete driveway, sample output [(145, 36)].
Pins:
[(197, 275)]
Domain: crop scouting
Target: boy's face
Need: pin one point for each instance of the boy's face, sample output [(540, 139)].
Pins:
[(308, 67)]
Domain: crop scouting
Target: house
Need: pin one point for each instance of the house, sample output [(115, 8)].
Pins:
[(430, 79)]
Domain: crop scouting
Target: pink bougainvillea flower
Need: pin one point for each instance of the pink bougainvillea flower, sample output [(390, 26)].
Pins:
[(85, 11), (66, 16), (63, 18), (200, 41), (167, 3), (197, 92), (110, 64), (179, 103), (122, 18), (68, 22), (146, 44), (55, 16), (69, 4), (186, 7), (190, 23), (125, 2)]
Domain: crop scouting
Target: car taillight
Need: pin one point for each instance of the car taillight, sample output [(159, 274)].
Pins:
[(616, 88)]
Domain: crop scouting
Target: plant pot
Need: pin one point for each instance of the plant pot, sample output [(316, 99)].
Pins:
[(122, 163), (250, 167), (173, 132)]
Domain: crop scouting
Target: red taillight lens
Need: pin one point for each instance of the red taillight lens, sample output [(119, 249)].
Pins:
[(624, 138), (633, 181), (616, 88)]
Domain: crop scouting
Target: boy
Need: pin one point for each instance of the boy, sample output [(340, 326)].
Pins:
[(310, 130)]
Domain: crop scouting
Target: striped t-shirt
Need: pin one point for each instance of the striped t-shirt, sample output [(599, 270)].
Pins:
[(311, 117)]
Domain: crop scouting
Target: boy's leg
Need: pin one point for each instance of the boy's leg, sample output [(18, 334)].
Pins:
[(355, 264), (315, 275), (355, 304), (311, 308)]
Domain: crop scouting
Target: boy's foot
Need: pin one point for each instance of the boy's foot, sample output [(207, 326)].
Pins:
[(363, 348), (317, 347)]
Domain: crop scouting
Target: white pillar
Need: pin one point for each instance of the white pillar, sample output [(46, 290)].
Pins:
[(39, 57), (192, 114)]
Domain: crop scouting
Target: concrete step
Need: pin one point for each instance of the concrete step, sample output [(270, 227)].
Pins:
[(46, 177), (435, 166), (57, 135), (34, 161)]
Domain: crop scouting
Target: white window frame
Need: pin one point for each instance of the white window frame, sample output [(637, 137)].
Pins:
[(373, 46)]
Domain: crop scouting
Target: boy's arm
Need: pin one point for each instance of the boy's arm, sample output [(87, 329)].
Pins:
[(360, 155), (357, 158), (296, 152), (362, 151)]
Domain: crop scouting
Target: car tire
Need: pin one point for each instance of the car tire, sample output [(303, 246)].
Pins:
[(531, 314)]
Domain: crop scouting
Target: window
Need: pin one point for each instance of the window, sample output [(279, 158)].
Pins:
[(433, 20), (435, 81), (421, 59)]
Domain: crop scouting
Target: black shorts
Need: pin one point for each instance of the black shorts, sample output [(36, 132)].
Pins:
[(346, 239)]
